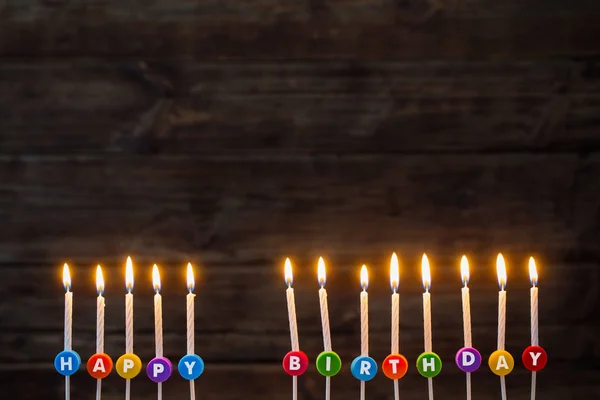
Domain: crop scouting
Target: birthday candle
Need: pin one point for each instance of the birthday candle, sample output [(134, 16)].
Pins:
[(128, 318), (394, 283), (501, 271), (291, 306), (533, 277), (364, 320), (68, 321), (426, 275), (99, 322), (466, 309), (158, 331), (324, 318), (190, 320)]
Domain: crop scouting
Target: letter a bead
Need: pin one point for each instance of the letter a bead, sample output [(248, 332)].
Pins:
[(394, 366), (329, 363), (501, 362), (128, 366), (295, 363), (468, 359), (429, 364), (67, 362), (99, 365), (159, 369), (363, 368), (190, 367), (534, 358)]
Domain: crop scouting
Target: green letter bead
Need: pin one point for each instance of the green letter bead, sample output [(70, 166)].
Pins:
[(328, 363), (429, 364)]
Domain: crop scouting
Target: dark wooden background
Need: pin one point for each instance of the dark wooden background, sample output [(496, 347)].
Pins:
[(235, 133)]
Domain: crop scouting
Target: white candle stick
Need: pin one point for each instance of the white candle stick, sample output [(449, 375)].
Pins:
[(364, 320), (68, 342), (128, 318), (190, 321), (158, 331), (501, 271), (291, 305), (426, 274), (466, 309), (394, 283), (324, 319), (533, 277), (99, 323)]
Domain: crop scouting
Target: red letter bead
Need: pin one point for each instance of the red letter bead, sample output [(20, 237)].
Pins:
[(295, 363), (534, 358), (99, 365), (394, 366)]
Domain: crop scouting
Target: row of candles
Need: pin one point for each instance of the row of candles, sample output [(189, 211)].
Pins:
[(295, 363), (429, 364)]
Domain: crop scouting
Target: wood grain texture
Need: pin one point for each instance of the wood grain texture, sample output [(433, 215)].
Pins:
[(300, 108)]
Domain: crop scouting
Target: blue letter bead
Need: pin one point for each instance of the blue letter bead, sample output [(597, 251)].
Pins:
[(190, 367), (67, 362), (363, 368)]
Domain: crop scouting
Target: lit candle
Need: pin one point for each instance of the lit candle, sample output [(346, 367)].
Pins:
[(190, 320), (364, 320), (501, 271), (466, 309), (158, 330), (426, 276), (324, 318), (68, 322), (394, 283), (99, 323), (128, 318), (291, 306), (533, 277)]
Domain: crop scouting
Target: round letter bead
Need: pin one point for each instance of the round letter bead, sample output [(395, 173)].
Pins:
[(394, 366), (429, 364), (363, 368), (295, 363), (468, 359), (67, 362), (329, 363), (159, 369), (534, 358), (99, 365), (501, 362), (128, 366), (190, 367)]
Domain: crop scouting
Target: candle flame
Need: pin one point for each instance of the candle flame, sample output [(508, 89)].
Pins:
[(321, 272), (155, 278), (426, 273), (191, 283), (99, 280), (364, 278), (66, 277), (501, 270), (394, 273), (533, 275), (464, 270), (129, 275), (287, 273)]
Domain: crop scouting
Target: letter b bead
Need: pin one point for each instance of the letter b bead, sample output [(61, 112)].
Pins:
[(295, 363)]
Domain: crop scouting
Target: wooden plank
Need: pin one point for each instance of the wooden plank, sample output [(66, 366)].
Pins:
[(269, 382), (394, 36), (243, 209), (203, 108)]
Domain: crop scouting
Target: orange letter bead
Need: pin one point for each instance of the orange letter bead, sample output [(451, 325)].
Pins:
[(394, 366), (99, 366)]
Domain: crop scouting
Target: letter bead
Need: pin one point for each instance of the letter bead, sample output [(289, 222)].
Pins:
[(99, 365), (128, 366), (190, 367), (159, 369), (328, 363), (295, 363), (429, 364), (394, 366), (501, 362), (67, 362), (534, 358), (363, 368), (468, 359)]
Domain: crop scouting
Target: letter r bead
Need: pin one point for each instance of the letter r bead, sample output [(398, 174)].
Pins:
[(295, 363)]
